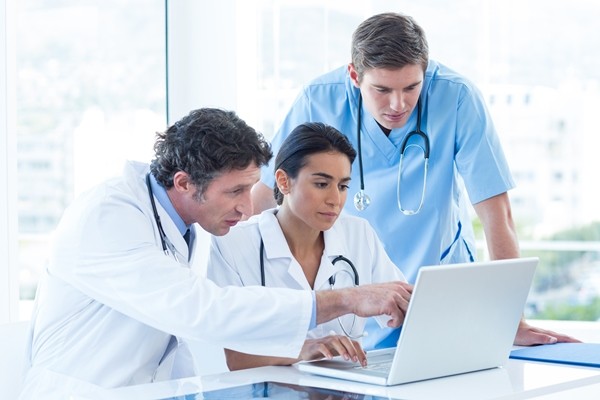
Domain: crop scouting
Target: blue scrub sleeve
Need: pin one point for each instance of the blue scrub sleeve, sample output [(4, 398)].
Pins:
[(480, 159)]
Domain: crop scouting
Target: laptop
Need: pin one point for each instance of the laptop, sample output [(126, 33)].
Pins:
[(461, 318)]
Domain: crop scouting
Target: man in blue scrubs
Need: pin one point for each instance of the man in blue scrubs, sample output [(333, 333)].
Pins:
[(389, 90)]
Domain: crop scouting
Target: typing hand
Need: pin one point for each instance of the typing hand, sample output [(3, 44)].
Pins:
[(331, 346)]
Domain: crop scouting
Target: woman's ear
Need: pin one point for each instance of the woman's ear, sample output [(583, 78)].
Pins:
[(282, 181)]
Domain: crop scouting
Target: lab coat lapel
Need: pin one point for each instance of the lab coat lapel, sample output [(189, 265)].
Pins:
[(135, 173), (193, 243), (334, 246), (277, 247), (174, 235), (296, 272)]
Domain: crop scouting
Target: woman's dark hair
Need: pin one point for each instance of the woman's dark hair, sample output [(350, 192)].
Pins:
[(204, 144), (305, 140)]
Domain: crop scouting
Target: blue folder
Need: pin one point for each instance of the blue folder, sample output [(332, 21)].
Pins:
[(583, 354)]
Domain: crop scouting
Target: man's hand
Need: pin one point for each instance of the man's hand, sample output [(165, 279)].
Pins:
[(389, 299), (334, 345), (384, 299), (528, 335)]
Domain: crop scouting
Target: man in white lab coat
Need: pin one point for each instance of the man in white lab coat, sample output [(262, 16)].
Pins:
[(118, 296)]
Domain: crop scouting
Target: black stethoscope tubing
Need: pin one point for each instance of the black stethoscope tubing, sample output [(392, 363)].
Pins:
[(359, 147), (348, 333), (417, 132), (161, 231), (331, 278)]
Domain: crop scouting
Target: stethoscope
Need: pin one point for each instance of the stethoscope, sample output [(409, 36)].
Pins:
[(361, 199), (167, 246), (352, 272)]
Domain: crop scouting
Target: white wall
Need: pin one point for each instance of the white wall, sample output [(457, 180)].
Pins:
[(201, 55)]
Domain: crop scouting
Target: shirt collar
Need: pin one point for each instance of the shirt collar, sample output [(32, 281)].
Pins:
[(276, 245), (161, 195)]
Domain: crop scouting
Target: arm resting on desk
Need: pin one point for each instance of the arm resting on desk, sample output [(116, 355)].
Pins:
[(389, 299), (313, 349), (501, 237)]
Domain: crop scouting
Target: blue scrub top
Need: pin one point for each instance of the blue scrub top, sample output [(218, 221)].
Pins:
[(465, 153)]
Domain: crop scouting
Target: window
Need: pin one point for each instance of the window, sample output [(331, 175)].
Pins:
[(90, 93), (8, 221), (535, 64)]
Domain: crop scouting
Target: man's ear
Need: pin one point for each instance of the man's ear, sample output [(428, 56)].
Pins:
[(182, 182), (282, 181), (353, 75)]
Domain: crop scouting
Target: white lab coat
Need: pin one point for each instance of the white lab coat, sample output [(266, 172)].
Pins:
[(111, 301), (235, 260)]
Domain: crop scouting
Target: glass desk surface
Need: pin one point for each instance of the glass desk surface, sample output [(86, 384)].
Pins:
[(276, 390)]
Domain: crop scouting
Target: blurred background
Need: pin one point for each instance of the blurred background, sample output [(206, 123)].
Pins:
[(93, 84)]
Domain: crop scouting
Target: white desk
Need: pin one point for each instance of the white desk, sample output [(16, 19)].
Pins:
[(517, 380)]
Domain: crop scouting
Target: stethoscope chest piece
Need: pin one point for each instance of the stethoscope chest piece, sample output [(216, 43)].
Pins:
[(361, 200)]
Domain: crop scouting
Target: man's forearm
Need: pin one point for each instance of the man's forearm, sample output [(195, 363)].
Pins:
[(390, 298), (332, 304), (500, 233)]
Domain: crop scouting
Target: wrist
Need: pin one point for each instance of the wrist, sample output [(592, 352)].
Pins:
[(333, 303)]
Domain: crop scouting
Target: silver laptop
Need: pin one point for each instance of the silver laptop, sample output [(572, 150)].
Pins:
[(461, 318)]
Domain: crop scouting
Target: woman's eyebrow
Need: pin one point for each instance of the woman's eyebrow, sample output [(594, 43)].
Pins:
[(327, 176)]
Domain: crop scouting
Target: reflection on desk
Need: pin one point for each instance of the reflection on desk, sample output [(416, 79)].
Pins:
[(518, 380), (274, 390)]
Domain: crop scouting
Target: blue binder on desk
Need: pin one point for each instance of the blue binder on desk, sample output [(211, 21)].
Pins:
[(582, 354)]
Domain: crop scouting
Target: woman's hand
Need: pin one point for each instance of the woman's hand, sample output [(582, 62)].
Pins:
[(333, 345)]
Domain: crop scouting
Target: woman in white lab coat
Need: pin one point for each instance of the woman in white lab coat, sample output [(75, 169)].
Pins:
[(299, 244)]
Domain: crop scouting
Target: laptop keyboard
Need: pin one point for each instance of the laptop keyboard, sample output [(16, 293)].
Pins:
[(378, 366)]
